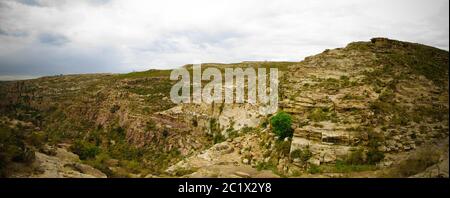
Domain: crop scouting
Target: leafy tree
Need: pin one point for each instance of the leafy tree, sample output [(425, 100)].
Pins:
[(281, 124)]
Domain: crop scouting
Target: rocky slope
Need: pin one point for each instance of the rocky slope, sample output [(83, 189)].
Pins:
[(384, 95), (365, 110)]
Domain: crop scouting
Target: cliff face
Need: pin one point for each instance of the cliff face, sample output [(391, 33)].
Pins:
[(366, 105), (384, 95)]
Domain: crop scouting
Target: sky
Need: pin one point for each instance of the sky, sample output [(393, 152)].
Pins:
[(49, 37)]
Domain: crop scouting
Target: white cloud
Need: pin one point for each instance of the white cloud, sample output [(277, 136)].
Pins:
[(40, 37)]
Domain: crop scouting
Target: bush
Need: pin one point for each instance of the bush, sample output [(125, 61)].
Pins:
[(303, 155), (194, 122), (13, 148), (374, 156), (100, 163), (283, 147), (218, 138), (356, 157), (320, 114), (132, 165), (37, 139), (281, 125), (85, 150), (314, 169)]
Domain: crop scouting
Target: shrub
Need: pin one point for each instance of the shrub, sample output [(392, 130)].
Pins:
[(131, 165), (100, 162), (264, 123), (266, 166), (320, 114), (13, 148), (194, 122), (37, 139), (283, 147), (303, 155), (356, 157), (218, 138), (314, 169), (184, 171), (24, 155), (84, 150), (126, 151), (281, 125), (374, 156)]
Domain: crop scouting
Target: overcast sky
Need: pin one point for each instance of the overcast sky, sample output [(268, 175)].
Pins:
[(45, 37)]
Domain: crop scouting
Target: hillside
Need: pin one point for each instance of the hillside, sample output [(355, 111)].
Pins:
[(367, 110)]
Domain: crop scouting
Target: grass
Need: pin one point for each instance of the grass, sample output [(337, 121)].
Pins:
[(343, 167), (146, 74), (314, 169), (269, 166), (340, 167)]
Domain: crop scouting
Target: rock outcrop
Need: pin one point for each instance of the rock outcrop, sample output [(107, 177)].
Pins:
[(364, 94), (62, 164)]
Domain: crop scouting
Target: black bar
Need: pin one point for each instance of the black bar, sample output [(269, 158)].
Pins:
[(170, 186)]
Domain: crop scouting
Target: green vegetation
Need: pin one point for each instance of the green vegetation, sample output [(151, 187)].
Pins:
[(266, 166), (374, 155), (423, 60), (269, 166), (283, 147), (303, 154), (146, 74), (345, 167), (333, 84), (322, 114), (357, 161), (356, 158), (215, 131), (340, 166), (85, 150), (231, 133), (314, 169), (14, 147), (183, 171), (281, 125)]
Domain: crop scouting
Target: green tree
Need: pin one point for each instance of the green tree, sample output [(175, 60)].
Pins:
[(281, 124)]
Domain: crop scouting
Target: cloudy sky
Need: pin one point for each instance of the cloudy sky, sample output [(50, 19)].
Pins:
[(47, 37)]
